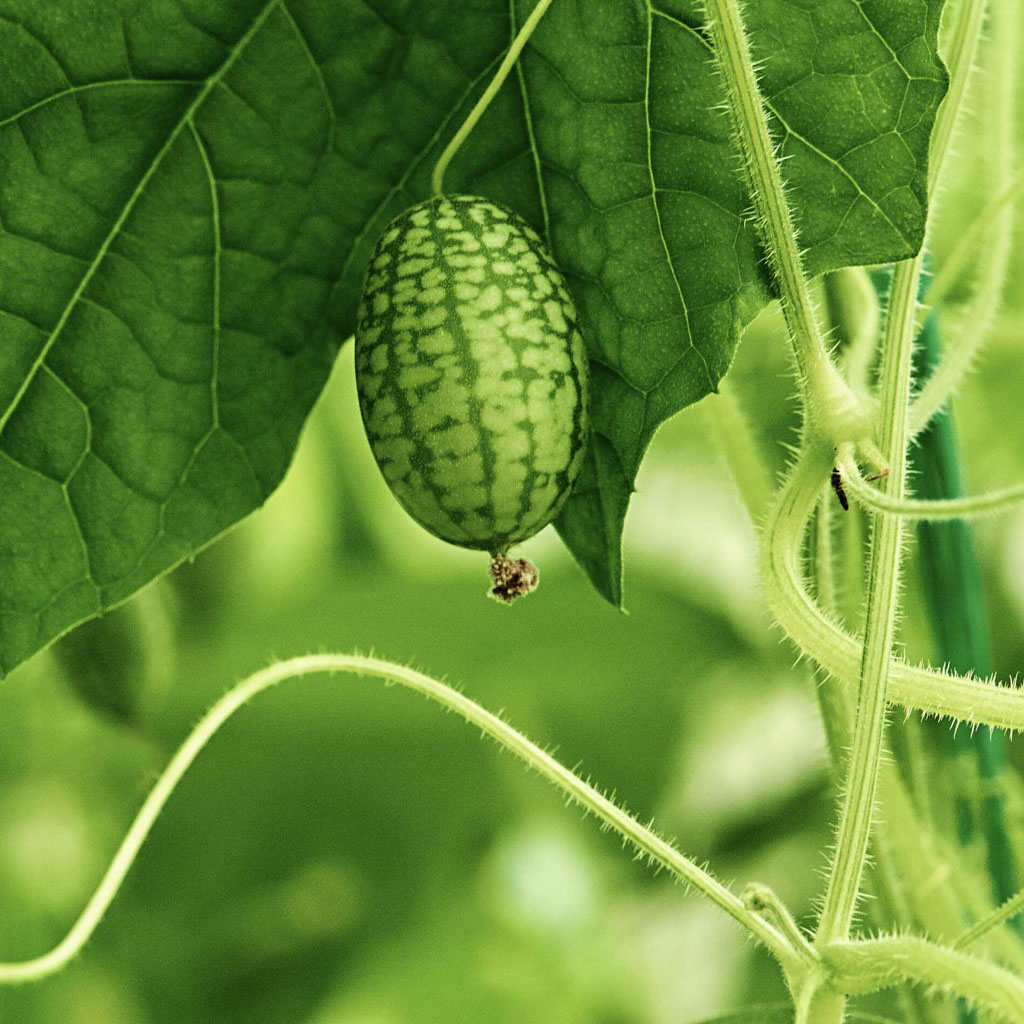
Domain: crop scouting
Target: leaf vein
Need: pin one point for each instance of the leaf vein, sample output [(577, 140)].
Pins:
[(111, 83), (215, 218), (137, 192), (654, 197), (315, 64)]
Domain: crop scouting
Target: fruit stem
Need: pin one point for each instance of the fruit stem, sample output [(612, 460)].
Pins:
[(520, 41)]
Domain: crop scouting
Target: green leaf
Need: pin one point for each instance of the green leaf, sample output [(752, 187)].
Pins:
[(189, 192), (650, 218)]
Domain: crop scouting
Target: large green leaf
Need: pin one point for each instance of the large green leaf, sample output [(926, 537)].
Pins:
[(650, 217), (189, 191)]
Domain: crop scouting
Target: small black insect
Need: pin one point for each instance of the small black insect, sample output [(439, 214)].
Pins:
[(837, 486)]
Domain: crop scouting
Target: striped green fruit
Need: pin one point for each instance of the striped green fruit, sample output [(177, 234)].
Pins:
[(471, 372)]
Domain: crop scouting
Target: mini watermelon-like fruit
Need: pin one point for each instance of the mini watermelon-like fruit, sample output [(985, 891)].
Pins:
[(472, 377)]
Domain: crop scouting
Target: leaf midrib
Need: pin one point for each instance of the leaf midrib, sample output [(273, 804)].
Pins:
[(129, 205)]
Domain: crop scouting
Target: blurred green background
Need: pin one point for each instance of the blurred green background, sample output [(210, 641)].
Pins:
[(347, 854)]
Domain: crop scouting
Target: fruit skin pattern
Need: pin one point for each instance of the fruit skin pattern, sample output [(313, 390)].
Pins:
[(471, 372)]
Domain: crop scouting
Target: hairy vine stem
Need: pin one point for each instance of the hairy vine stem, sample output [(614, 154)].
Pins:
[(883, 580), (843, 421), (506, 66), (994, 215), (924, 508), (1011, 908), (853, 302), (831, 408), (908, 857), (907, 860), (940, 882), (956, 359), (873, 964), (822, 640), (739, 447), (660, 851)]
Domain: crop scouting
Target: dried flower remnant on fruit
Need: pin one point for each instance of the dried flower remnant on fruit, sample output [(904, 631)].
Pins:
[(512, 578)]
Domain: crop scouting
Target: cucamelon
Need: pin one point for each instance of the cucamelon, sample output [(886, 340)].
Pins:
[(472, 377)]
